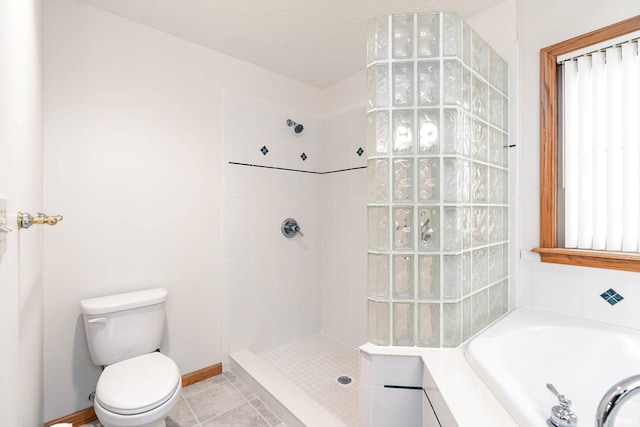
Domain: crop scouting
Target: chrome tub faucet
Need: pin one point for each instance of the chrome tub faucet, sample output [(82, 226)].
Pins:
[(614, 398)]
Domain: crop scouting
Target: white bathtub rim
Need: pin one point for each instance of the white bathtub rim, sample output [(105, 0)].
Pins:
[(525, 406)]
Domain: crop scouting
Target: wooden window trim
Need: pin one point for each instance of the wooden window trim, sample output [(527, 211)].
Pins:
[(549, 252)]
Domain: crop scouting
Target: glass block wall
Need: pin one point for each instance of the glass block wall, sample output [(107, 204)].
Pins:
[(437, 181)]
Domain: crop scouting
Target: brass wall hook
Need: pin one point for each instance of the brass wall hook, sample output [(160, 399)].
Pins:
[(26, 220)]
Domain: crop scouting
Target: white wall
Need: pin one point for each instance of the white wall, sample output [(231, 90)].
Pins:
[(568, 289), (21, 182), (344, 211), (133, 160)]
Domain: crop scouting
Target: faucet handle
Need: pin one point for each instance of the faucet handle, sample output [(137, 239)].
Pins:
[(561, 415), (562, 399)]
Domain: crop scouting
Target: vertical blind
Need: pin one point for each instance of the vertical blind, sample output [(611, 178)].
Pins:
[(601, 149)]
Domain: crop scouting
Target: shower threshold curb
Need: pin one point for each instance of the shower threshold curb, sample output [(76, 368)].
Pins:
[(293, 406)]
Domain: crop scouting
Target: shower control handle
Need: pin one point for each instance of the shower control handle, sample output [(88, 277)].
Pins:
[(290, 228), (296, 228)]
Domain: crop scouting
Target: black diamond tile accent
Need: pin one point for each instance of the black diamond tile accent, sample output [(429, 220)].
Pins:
[(303, 157), (611, 296), (264, 150), (360, 151)]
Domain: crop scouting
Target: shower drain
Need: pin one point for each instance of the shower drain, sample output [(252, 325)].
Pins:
[(344, 380)]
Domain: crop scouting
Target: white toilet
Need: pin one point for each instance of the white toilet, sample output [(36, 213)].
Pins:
[(139, 386)]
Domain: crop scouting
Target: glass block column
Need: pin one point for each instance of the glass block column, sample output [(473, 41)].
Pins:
[(437, 181)]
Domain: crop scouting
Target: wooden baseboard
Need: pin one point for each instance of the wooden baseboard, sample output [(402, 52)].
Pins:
[(76, 419), (201, 374), (87, 415)]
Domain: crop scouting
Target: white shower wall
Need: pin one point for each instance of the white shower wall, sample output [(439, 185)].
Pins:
[(344, 262), (344, 204), (272, 284), (279, 290)]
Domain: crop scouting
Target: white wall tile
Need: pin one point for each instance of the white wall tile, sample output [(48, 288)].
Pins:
[(576, 291), (627, 284), (358, 332), (404, 371), (558, 288), (524, 283), (328, 322), (342, 331), (395, 407), (365, 404), (357, 300), (395, 370), (366, 368)]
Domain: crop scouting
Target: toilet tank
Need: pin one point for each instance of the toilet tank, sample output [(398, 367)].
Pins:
[(123, 326)]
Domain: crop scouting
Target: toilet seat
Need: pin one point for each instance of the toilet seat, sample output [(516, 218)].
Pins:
[(137, 385)]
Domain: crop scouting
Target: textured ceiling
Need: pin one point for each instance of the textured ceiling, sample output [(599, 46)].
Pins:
[(315, 41)]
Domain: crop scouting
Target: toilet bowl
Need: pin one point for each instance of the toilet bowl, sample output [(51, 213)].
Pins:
[(138, 392), (139, 386)]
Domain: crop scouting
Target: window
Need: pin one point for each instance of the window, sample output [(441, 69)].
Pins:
[(584, 237)]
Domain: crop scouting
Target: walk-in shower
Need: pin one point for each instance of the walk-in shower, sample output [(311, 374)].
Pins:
[(426, 218), (295, 250)]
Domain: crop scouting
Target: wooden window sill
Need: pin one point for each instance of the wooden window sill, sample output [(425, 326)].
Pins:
[(584, 258)]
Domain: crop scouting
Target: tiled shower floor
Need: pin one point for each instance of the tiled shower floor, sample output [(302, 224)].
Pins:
[(314, 364)]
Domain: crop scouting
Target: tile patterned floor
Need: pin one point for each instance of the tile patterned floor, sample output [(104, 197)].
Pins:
[(222, 400), (314, 364)]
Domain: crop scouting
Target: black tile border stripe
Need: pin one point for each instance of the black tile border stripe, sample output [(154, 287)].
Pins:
[(344, 170), (296, 170)]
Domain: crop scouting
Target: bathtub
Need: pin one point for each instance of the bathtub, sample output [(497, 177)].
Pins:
[(529, 348)]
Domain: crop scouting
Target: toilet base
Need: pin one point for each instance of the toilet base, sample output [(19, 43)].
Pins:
[(160, 423)]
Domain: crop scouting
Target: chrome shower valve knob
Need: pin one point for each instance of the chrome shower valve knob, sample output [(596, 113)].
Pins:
[(290, 228)]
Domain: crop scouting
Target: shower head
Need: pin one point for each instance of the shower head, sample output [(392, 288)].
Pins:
[(297, 127)]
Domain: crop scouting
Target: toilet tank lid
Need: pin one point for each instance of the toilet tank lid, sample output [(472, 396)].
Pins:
[(126, 301)]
